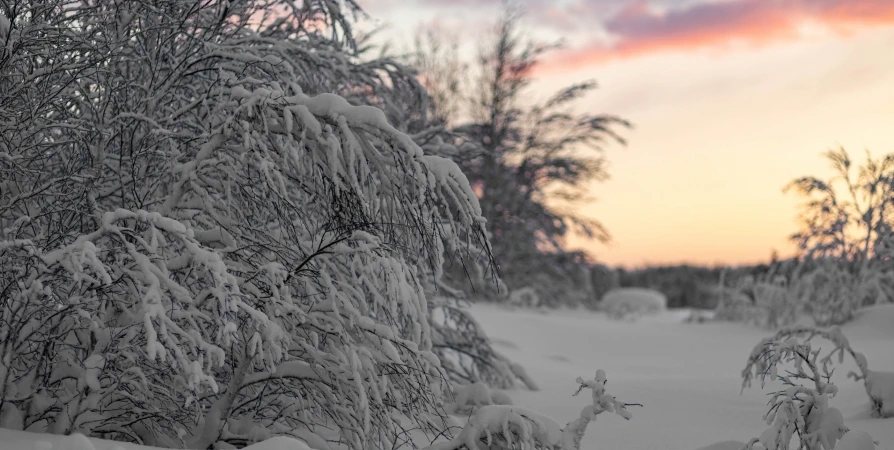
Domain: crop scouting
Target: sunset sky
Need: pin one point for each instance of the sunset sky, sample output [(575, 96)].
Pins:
[(731, 100)]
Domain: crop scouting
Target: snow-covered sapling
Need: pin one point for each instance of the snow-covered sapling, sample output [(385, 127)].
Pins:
[(801, 409), (879, 385), (509, 427)]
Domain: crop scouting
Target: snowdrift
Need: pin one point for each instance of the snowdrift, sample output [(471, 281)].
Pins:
[(878, 319), (24, 440), (631, 302)]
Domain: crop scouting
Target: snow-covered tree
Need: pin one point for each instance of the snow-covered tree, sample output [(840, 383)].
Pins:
[(832, 292), (846, 235), (208, 234), (530, 163), (849, 216)]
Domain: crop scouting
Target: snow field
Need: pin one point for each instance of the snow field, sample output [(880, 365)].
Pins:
[(23, 440), (686, 375)]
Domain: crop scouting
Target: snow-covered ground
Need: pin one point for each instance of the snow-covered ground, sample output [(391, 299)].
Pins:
[(685, 374), (21, 440)]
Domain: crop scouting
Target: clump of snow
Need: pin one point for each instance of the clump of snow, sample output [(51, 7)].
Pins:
[(77, 441), (468, 398), (633, 302), (522, 374), (525, 297), (880, 388), (830, 426), (878, 318), (503, 425), (699, 316), (856, 440), (279, 443), (724, 445)]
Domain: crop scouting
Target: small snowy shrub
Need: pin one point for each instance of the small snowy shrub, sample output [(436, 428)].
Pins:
[(733, 305), (768, 302), (776, 303), (832, 293), (629, 303), (699, 316), (526, 297), (512, 427), (796, 408)]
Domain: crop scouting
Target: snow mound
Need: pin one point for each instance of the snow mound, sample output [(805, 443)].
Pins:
[(880, 388), (878, 318), (856, 440), (77, 441), (470, 397), (279, 443), (525, 297), (724, 445), (632, 302)]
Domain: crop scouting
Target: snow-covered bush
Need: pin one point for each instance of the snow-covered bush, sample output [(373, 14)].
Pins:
[(526, 297), (632, 302), (796, 409), (510, 427), (699, 316), (733, 305), (795, 344), (200, 243), (767, 301), (777, 303), (832, 292)]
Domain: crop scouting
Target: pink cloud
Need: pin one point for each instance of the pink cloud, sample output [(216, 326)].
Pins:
[(639, 29)]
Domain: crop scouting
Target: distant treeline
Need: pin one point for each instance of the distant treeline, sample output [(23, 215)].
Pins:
[(686, 286)]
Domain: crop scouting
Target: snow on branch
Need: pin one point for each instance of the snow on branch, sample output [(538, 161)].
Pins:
[(210, 232)]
